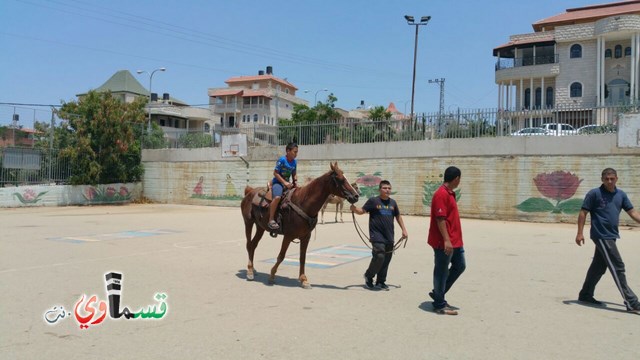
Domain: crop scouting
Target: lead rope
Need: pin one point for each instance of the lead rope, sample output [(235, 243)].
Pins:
[(362, 236)]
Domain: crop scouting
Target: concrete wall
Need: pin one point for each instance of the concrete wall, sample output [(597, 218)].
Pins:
[(64, 195), (526, 178)]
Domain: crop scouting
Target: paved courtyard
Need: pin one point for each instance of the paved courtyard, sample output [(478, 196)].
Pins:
[(517, 299)]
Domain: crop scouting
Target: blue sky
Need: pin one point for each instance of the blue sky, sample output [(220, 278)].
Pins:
[(358, 49)]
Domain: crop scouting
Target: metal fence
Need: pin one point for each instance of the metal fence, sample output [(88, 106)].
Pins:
[(460, 123), (32, 166), (453, 124)]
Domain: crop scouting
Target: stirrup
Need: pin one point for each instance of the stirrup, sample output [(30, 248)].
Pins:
[(273, 225)]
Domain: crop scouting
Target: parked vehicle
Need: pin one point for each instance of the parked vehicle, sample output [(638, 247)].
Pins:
[(597, 129), (530, 131), (559, 129)]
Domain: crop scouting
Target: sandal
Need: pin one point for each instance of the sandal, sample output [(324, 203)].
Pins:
[(273, 225)]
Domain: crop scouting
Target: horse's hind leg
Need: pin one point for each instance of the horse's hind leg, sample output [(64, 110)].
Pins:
[(322, 212), (283, 251), (304, 243), (252, 244)]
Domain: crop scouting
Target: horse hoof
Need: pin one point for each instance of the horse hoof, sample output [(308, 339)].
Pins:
[(249, 277), (272, 281), (305, 285)]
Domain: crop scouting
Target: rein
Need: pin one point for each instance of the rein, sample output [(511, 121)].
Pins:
[(362, 235)]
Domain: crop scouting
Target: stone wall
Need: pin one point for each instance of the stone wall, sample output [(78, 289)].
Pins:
[(539, 179)]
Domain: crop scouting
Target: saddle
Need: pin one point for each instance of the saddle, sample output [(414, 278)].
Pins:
[(264, 196)]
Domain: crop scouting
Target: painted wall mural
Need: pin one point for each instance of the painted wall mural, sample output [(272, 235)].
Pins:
[(106, 194), (429, 188), (369, 184), (230, 192), (29, 196), (559, 186)]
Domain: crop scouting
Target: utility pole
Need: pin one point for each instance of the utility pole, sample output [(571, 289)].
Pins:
[(441, 110)]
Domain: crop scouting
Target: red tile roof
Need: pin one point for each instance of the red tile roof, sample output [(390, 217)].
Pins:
[(225, 92), (588, 14), (392, 108)]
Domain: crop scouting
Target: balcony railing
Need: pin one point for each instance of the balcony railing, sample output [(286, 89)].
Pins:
[(504, 63)]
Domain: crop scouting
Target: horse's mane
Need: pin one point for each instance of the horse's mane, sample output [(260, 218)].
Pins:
[(303, 193)]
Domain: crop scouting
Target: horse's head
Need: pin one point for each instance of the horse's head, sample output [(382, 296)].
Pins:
[(340, 185)]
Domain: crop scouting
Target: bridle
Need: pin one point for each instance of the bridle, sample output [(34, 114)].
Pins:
[(339, 183)]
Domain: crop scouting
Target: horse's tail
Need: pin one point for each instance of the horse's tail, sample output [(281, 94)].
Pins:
[(247, 190)]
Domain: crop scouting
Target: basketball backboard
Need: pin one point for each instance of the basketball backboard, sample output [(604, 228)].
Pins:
[(234, 145)]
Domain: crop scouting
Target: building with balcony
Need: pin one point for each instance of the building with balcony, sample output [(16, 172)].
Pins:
[(584, 58), (174, 116), (251, 100)]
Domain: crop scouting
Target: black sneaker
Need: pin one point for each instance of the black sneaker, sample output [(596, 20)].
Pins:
[(383, 286), (446, 304), (589, 300), (368, 283), (634, 309)]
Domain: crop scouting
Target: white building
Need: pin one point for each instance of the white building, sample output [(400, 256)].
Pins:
[(584, 58), (249, 100)]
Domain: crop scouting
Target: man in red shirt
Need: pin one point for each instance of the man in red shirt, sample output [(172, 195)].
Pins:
[(445, 237)]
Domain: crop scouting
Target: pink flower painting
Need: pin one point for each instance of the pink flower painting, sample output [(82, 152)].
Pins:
[(559, 186)]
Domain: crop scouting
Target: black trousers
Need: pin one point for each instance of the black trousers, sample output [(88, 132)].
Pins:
[(607, 256), (381, 255)]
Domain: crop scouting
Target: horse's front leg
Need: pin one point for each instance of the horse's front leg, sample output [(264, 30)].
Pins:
[(251, 247), (340, 205), (283, 251), (304, 282)]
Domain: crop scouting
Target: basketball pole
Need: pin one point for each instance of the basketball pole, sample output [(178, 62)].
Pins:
[(246, 163)]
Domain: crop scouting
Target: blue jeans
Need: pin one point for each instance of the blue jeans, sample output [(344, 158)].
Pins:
[(443, 275), (277, 189)]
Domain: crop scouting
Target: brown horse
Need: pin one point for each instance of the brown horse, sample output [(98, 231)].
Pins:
[(338, 201), (299, 215)]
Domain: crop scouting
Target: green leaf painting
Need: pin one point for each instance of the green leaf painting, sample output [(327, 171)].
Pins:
[(29, 196)]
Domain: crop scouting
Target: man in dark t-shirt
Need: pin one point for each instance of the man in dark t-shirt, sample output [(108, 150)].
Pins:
[(382, 210), (604, 204)]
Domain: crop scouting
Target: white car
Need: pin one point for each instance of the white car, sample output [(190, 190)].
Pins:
[(597, 129), (530, 131), (558, 129)]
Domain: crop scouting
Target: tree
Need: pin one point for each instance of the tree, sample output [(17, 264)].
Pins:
[(310, 126), (103, 143)]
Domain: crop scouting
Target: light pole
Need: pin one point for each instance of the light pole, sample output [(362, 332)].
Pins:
[(315, 98), (150, 82), (411, 21)]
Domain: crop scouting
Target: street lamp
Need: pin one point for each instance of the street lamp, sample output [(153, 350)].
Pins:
[(315, 98), (411, 21), (150, 82)]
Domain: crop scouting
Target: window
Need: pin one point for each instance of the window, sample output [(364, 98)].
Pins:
[(618, 52), (576, 90), (548, 98), (627, 51), (207, 127), (255, 117), (576, 51), (527, 98), (607, 53), (538, 98), (286, 91)]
